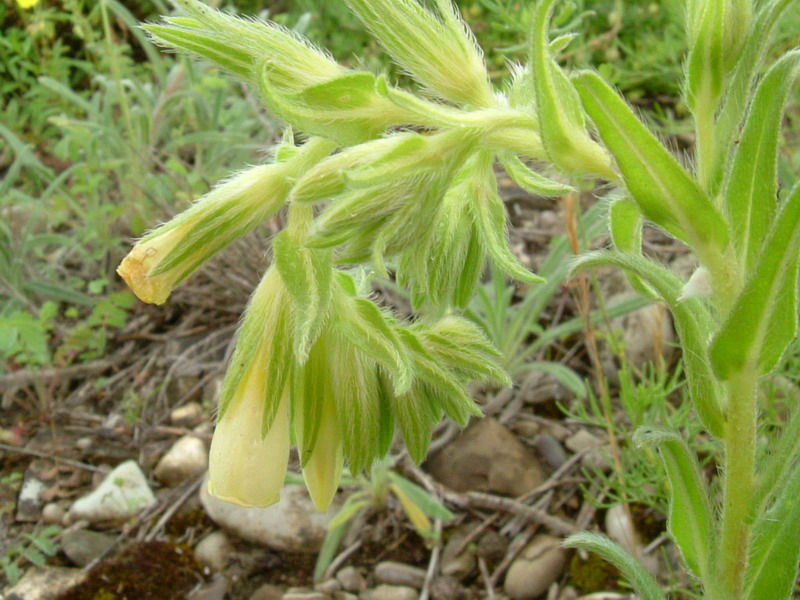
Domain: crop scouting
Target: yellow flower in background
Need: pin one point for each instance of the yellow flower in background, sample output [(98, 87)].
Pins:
[(27, 3)]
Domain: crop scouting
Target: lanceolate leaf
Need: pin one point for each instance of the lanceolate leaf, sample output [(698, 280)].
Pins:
[(690, 517), (638, 577), (691, 320), (561, 121), (530, 180), (664, 191), (751, 194), (625, 225), (775, 552), (490, 218), (764, 317)]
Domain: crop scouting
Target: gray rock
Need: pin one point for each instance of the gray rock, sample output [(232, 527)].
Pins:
[(395, 573), (489, 458), (458, 565), (291, 525), (213, 551), (187, 458), (189, 415), (538, 565), (53, 513), (121, 495), (351, 579), (329, 586), (551, 450), (492, 547), (83, 546), (45, 583), (268, 592), (393, 592), (448, 588)]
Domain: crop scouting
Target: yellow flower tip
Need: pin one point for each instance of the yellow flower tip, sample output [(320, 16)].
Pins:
[(136, 268), (324, 467), (27, 3), (245, 468)]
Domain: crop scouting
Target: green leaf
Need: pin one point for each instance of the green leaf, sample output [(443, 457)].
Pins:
[(530, 180), (637, 576), (561, 120), (349, 509), (429, 505), (204, 45), (691, 321), (775, 470), (307, 275), (490, 218), (775, 551), (563, 374), (764, 317), (690, 518), (625, 225), (665, 192), (752, 186)]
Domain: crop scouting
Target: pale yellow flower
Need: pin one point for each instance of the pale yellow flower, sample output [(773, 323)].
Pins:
[(27, 3)]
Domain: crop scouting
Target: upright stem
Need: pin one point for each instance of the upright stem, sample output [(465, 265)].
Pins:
[(738, 474)]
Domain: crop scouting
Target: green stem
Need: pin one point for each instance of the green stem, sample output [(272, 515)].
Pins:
[(738, 486)]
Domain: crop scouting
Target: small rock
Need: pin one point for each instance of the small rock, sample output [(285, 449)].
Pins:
[(526, 428), (306, 596), (539, 388), (268, 592), (395, 573), (344, 596), (568, 593), (329, 586), (351, 579), (53, 513), (215, 590), (291, 525), (122, 494), (188, 416), (551, 451), (45, 583), (29, 502), (492, 547), (83, 546), (582, 441), (448, 588), (538, 565), (213, 551), (84, 443), (458, 565), (621, 529), (487, 457), (188, 457), (393, 592)]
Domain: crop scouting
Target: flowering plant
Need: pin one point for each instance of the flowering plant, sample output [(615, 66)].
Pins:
[(406, 184)]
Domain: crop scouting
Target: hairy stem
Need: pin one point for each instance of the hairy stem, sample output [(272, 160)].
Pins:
[(738, 474)]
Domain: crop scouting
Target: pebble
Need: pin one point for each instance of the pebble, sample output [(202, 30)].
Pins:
[(268, 592), (551, 450), (291, 525), (329, 586), (540, 564), (305, 596), (83, 443), (395, 573), (45, 583), (448, 588), (492, 547), (82, 546), (53, 513), (487, 457), (393, 592), (351, 579), (458, 565), (188, 416), (213, 551), (121, 495), (344, 596), (187, 458), (621, 529)]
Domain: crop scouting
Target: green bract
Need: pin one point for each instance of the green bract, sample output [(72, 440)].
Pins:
[(402, 184)]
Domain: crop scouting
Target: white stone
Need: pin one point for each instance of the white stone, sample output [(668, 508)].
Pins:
[(213, 551), (291, 525), (541, 563), (393, 592), (189, 415), (46, 583), (53, 514), (187, 458), (122, 494)]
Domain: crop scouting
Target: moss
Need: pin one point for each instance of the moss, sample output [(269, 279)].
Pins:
[(593, 574), (143, 571)]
